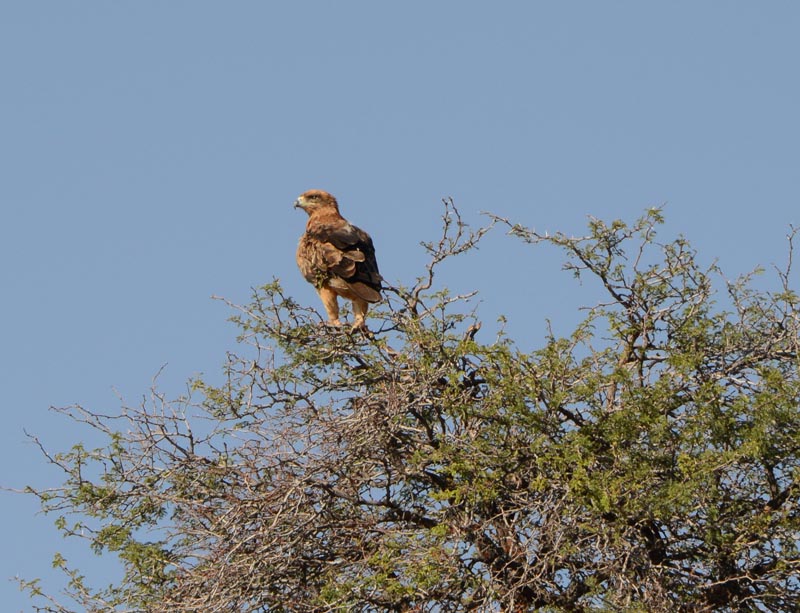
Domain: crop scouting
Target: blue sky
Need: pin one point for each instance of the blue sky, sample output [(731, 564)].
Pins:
[(150, 153)]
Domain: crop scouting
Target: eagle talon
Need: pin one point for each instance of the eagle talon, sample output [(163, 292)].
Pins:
[(362, 328)]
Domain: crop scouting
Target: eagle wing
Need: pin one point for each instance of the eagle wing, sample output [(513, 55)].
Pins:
[(335, 253)]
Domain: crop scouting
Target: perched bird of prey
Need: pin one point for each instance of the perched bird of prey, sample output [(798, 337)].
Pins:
[(337, 258)]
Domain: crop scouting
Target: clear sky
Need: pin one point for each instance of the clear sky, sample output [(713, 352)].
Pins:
[(150, 153)]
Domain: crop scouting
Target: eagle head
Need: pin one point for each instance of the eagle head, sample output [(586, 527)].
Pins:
[(314, 200)]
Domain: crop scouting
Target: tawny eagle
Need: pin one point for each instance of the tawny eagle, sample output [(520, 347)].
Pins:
[(337, 258)]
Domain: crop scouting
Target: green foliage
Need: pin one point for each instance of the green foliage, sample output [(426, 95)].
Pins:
[(646, 462)]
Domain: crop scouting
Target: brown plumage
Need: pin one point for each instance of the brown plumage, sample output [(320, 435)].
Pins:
[(337, 258)]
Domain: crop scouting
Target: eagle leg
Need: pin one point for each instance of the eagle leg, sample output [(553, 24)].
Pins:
[(359, 313), (331, 304)]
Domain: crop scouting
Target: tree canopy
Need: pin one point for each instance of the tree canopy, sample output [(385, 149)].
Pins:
[(648, 461)]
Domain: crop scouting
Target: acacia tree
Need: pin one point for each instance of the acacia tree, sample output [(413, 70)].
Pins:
[(646, 462)]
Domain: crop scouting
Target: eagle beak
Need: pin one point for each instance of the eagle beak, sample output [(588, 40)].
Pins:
[(298, 204)]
